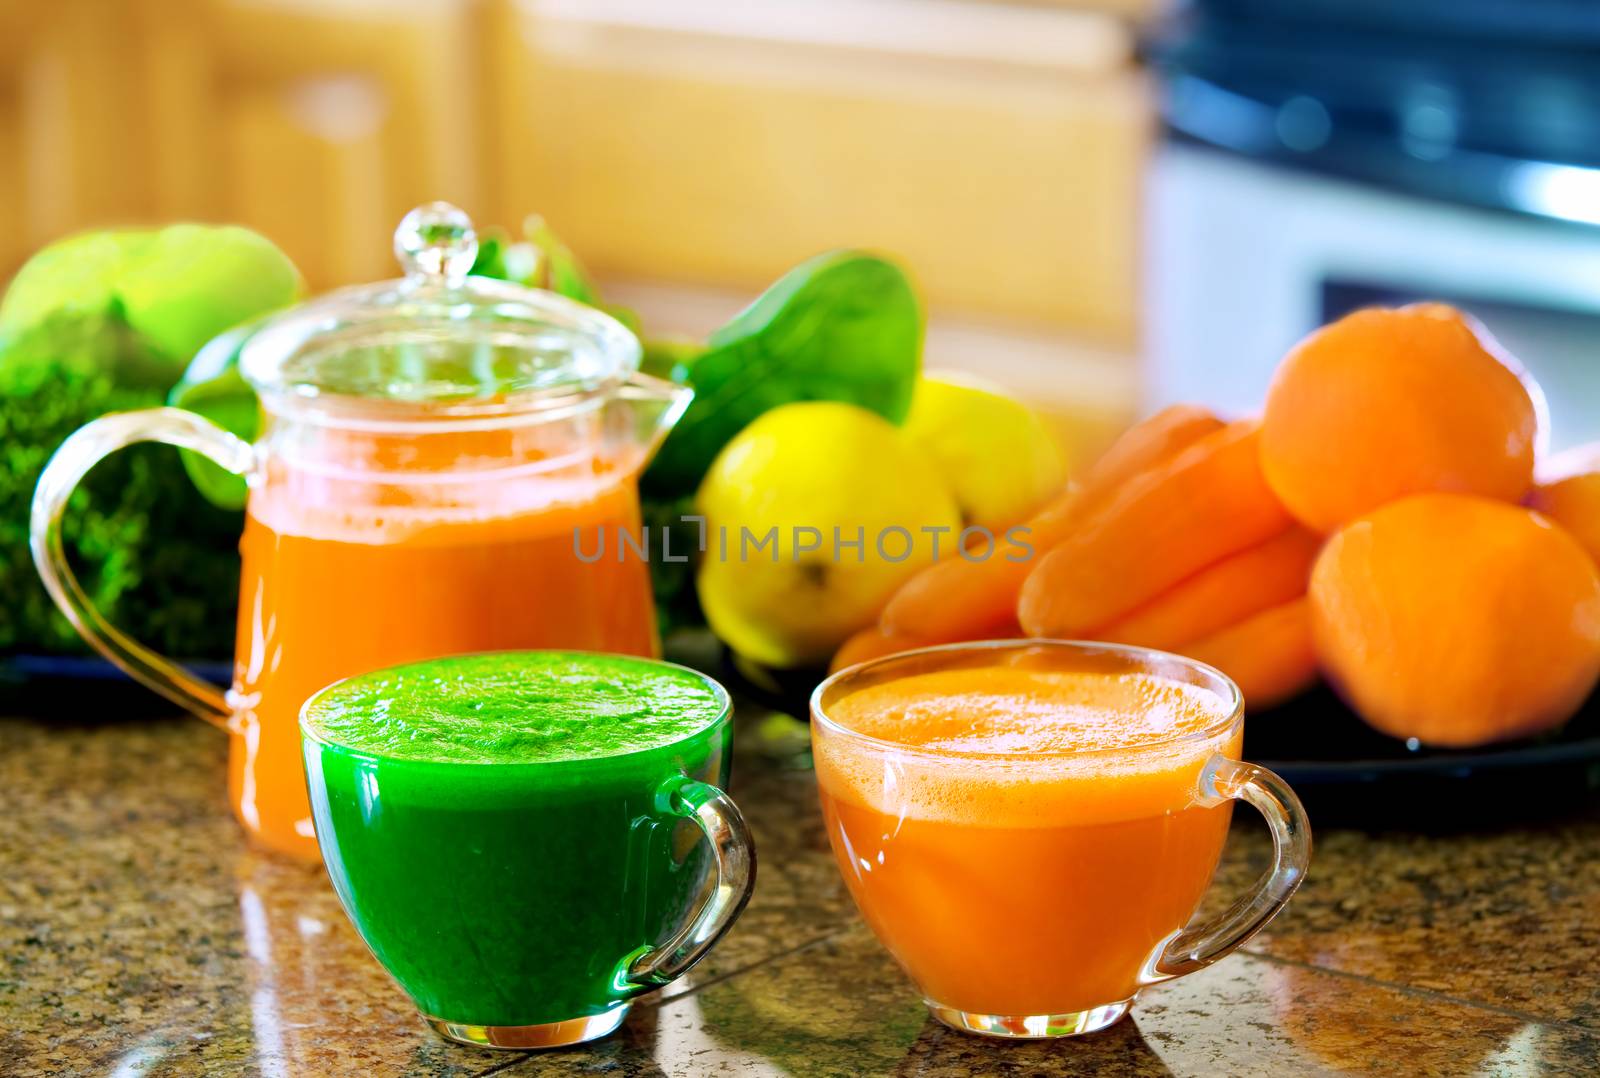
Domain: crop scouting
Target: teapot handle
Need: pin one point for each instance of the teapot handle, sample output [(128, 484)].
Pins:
[(78, 454)]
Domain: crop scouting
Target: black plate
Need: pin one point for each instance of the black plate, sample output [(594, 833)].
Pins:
[(1349, 775)]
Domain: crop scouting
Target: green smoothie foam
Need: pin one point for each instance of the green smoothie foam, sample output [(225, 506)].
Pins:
[(515, 708)]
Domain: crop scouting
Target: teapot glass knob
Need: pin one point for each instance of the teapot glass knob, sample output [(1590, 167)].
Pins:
[(435, 242)]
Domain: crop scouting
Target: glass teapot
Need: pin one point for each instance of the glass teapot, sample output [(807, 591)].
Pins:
[(435, 452)]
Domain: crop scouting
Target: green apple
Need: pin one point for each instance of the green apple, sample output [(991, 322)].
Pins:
[(176, 287), (76, 275), (192, 282)]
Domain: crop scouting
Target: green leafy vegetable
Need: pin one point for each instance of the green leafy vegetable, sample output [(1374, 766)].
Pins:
[(101, 322), (151, 554), (556, 267), (844, 326), (670, 357), (541, 260), (491, 260)]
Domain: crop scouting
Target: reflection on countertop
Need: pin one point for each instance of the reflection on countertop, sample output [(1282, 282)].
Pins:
[(139, 936)]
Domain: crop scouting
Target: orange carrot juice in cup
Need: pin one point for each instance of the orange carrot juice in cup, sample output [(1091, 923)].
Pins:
[(1028, 826)]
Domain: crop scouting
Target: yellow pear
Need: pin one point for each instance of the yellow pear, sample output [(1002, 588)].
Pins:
[(814, 514), (997, 456)]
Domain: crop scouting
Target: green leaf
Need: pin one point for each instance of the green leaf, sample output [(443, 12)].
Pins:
[(491, 259), (543, 261), (844, 326), (214, 388), (557, 268)]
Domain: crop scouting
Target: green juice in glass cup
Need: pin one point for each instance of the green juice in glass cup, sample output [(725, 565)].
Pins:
[(515, 834)]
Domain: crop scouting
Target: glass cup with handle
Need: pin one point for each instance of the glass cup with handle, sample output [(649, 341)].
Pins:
[(529, 841), (1029, 826)]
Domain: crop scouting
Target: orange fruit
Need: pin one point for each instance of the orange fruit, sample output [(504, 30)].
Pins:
[(1568, 492), (1386, 403), (1457, 620)]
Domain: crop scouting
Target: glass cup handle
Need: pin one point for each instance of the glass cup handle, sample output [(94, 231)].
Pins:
[(735, 853), (1197, 946), (86, 447)]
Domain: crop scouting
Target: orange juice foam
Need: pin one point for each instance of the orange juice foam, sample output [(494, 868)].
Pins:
[(1031, 837)]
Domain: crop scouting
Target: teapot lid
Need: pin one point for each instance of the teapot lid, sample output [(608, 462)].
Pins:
[(438, 338)]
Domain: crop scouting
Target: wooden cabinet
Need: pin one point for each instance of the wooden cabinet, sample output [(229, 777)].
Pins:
[(995, 148), (70, 145), (320, 125)]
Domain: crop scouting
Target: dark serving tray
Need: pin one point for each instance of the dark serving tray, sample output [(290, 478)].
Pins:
[(1348, 773), (86, 688)]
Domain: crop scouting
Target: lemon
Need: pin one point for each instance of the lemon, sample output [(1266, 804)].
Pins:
[(996, 455), (814, 514)]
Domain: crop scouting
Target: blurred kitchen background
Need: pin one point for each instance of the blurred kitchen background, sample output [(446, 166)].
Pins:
[(1107, 204)]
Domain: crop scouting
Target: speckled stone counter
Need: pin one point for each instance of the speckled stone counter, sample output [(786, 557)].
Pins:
[(140, 936)]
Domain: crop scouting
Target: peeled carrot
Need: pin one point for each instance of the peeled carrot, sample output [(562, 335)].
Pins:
[(1145, 444), (1269, 656), (956, 599), (1222, 594), (1206, 503), (870, 643), (873, 643)]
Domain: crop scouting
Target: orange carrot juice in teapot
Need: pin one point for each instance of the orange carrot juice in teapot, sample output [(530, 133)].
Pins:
[(434, 453)]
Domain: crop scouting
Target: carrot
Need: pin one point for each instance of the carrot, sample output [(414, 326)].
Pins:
[(1147, 443), (1206, 503), (869, 643), (1269, 656), (956, 599), (1222, 594), (873, 643)]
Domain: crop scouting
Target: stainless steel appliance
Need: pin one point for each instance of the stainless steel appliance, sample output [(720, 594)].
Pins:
[(1320, 156)]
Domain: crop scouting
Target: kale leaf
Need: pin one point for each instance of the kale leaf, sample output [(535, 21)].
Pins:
[(152, 555)]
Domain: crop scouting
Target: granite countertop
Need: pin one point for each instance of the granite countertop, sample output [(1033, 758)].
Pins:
[(139, 935)]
